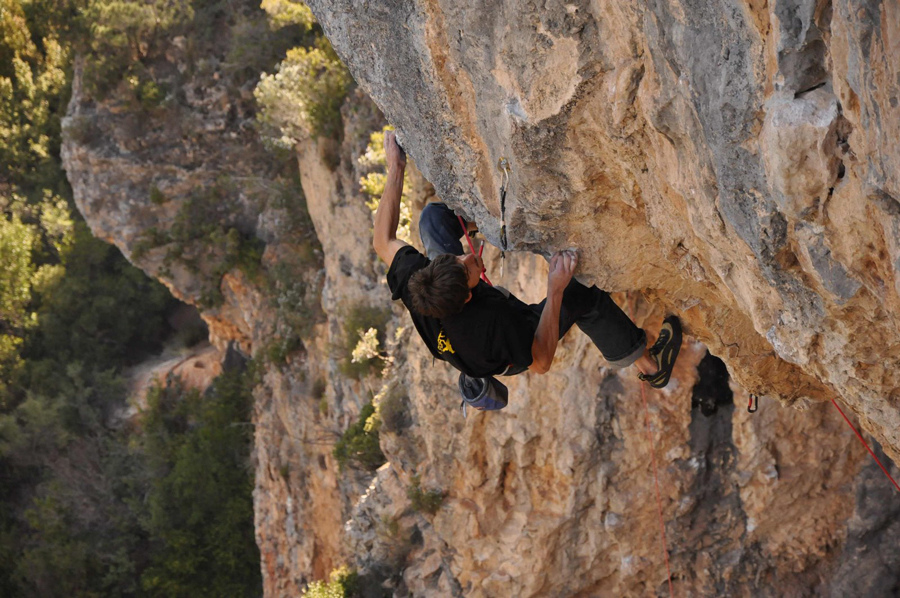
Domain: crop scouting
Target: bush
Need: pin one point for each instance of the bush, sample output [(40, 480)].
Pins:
[(202, 226), (359, 444), (344, 583), (283, 13), (426, 501), (151, 238), (123, 32), (357, 322), (393, 411), (278, 350), (318, 388), (157, 197), (304, 97)]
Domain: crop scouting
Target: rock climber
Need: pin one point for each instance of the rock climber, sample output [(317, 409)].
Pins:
[(484, 331)]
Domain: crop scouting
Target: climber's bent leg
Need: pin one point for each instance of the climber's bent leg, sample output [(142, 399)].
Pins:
[(597, 315), (611, 330)]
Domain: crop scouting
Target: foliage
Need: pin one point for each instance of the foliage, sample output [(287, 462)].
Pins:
[(16, 269), (367, 348), (200, 501), (373, 183), (392, 409), (318, 388), (359, 444), (278, 350), (202, 232), (343, 583), (283, 13), (91, 504), (303, 97), (115, 311), (123, 41), (123, 33), (425, 501), (32, 80), (356, 321)]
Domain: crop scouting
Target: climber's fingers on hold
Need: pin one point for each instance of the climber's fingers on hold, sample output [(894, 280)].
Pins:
[(572, 260), (554, 261)]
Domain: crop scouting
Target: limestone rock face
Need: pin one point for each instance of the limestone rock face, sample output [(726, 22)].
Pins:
[(737, 162), (682, 149)]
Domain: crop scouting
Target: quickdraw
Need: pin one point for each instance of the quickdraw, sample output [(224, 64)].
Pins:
[(503, 165), (753, 406)]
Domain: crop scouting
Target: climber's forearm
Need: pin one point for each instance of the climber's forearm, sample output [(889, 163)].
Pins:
[(546, 337), (387, 217)]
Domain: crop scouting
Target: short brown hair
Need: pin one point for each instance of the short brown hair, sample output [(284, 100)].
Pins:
[(441, 288)]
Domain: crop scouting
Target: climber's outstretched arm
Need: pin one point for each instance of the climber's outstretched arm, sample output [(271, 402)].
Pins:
[(387, 217)]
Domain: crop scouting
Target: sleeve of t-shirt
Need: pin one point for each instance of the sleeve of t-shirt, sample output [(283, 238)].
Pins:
[(515, 335), (407, 261)]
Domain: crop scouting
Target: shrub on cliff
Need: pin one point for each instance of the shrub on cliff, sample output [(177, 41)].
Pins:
[(360, 443), (303, 98), (343, 583), (363, 335), (122, 33), (425, 501)]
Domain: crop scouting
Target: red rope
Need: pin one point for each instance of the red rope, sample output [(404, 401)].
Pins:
[(662, 524), (462, 223), (866, 444)]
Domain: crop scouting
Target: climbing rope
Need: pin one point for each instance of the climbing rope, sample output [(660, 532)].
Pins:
[(662, 524), (866, 444), (503, 165), (754, 405)]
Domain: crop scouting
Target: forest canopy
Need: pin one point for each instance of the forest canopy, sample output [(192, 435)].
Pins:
[(92, 504)]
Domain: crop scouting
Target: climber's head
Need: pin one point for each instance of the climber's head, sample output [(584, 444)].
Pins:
[(443, 287)]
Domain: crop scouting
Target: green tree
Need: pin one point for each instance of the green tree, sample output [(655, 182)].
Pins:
[(200, 505), (32, 81)]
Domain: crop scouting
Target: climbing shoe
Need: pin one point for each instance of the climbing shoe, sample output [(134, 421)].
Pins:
[(664, 352)]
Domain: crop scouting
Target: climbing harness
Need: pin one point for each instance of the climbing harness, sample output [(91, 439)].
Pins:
[(503, 165), (753, 406)]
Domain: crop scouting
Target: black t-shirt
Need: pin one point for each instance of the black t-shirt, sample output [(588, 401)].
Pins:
[(489, 334)]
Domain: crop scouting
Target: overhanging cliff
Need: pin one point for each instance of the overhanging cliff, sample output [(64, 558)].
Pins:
[(737, 162)]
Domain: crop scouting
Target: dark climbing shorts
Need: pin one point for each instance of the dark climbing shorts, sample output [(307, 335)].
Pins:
[(592, 310)]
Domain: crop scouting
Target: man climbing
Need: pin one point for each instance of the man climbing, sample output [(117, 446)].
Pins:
[(483, 331)]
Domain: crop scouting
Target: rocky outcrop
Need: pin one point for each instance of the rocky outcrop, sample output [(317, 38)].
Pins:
[(691, 162), (736, 162), (188, 193)]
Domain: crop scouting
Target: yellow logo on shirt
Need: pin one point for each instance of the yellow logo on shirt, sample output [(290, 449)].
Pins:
[(443, 343)]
